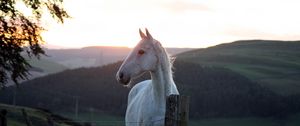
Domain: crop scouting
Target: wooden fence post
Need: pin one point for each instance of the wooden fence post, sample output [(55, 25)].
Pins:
[(50, 121), (177, 110), (3, 118), (27, 120)]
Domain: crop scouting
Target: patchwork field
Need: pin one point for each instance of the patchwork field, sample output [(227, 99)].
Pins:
[(274, 64)]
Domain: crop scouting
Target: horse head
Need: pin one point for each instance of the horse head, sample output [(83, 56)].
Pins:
[(141, 59)]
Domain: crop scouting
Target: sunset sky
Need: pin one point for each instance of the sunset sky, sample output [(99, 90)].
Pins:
[(175, 23)]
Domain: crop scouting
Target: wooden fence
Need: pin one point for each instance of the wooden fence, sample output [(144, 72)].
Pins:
[(3, 118), (177, 110)]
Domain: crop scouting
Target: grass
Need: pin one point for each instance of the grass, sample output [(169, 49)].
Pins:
[(233, 122), (99, 119), (110, 120), (12, 122), (283, 86), (261, 61), (293, 120), (37, 117)]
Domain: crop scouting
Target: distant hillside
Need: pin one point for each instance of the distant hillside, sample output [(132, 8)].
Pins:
[(274, 64), (88, 56), (214, 92), (40, 67), (222, 81), (57, 60), (94, 56), (45, 66)]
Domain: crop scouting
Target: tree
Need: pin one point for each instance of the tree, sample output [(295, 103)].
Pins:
[(21, 34)]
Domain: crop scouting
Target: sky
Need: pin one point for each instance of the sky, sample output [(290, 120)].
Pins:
[(175, 23)]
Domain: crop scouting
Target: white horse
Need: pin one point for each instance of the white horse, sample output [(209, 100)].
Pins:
[(147, 99)]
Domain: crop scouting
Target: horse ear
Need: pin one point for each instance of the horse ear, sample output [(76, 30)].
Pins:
[(149, 36), (142, 34)]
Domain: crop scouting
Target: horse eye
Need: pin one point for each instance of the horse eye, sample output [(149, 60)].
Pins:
[(141, 52)]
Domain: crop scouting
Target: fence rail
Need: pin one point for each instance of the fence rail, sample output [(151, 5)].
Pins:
[(177, 111)]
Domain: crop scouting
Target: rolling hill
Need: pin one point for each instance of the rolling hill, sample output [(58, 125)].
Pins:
[(40, 67), (57, 60), (274, 64), (37, 117), (215, 92), (45, 66), (93, 56), (225, 81)]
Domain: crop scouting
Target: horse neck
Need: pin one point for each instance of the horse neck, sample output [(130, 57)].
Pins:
[(162, 79)]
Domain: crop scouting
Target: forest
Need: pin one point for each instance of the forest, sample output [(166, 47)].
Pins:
[(214, 92)]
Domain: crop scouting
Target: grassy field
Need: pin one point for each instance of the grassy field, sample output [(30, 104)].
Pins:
[(37, 117), (109, 120), (274, 64), (98, 119), (293, 120), (233, 122)]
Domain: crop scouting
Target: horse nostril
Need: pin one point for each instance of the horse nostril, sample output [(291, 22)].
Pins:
[(121, 75)]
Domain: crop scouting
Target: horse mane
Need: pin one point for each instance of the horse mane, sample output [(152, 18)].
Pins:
[(166, 62)]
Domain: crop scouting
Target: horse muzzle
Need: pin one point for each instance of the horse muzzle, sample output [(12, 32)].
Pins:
[(122, 78)]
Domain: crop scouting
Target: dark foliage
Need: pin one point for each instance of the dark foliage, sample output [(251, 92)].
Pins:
[(214, 92), (219, 92), (20, 33)]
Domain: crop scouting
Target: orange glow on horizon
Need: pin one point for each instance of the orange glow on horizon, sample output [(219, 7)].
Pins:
[(180, 23)]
